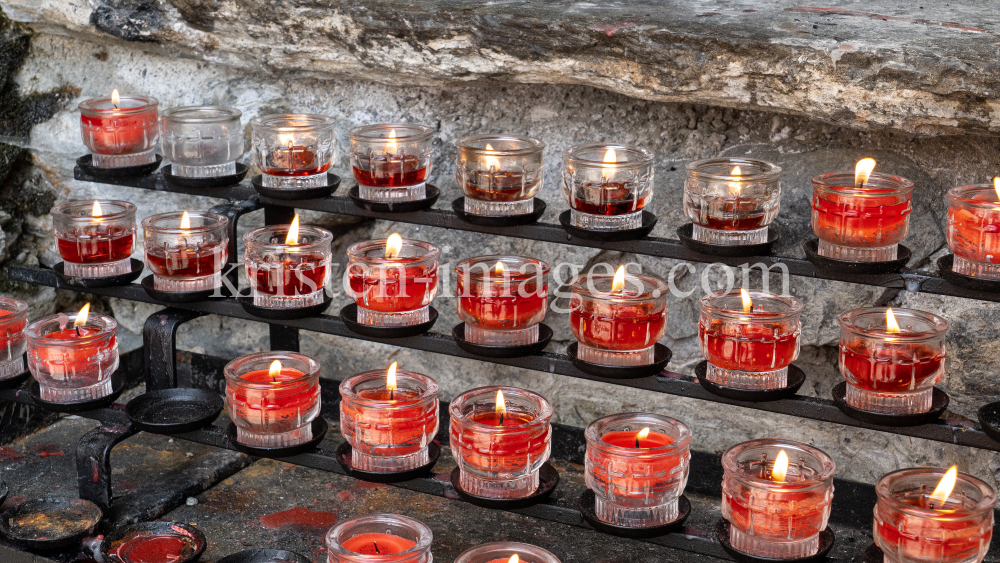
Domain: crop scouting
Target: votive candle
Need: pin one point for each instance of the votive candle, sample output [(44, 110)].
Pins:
[(379, 538), (502, 299)]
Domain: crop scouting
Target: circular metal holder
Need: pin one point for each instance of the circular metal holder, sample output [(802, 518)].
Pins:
[(588, 502), (194, 540), (176, 296), (349, 315), (499, 220), (49, 524), (661, 358), (265, 556), (548, 478), (648, 222), (727, 250), (433, 193), (989, 419), (92, 283), (796, 377), (172, 411), (294, 194), (903, 255), (344, 459), (938, 404), (216, 182), (117, 386), (16, 381), (826, 540), (246, 301), (945, 264), (86, 163), (487, 351), (319, 428)]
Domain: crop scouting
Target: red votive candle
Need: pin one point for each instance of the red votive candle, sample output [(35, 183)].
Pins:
[(776, 495), (120, 131), (389, 418), (499, 174), (503, 552), (933, 515), (501, 299), (73, 356), (391, 162), (607, 186), (860, 217), (13, 320), (891, 358), (273, 397), (186, 251), (731, 200), (974, 230), (293, 151), (95, 238), (381, 538), (749, 338), (393, 281), (637, 465), (287, 265)]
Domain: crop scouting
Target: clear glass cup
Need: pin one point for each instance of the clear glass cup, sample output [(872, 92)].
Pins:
[(392, 161), (501, 552), (120, 134), (72, 361), (13, 320), (974, 230), (607, 186), (394, 291), (95, 238), (502, 305), (201, 141), (381, 538), (283, 275), (731, 200), (499, 174), (293, 151), (190, 258)]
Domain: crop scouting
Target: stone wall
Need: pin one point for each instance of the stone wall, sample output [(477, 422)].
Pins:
[(187, 52)]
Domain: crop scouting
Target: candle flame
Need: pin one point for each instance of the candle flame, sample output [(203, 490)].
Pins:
[(491, 162), (115, 98), (498, 269), (390, 145), (513, 559), (610, 163), (97, 211), (618, 284), (293, 231), (390, 377), (996, 186), (862, 171), (81, 317), (393, 246), (736, 171), (780, 469), (501, 404), (890, 321), (945, 486), (734, 187), (185, 221), (275, 369), (747, 303), (642, 434)]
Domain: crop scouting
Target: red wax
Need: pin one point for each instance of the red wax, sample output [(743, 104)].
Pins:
[(10, 328), (293, 161), (634, 475), (847, 220), (975, 234), (628, 439), (273, 404), (120, 134), (762, 346), (893, 369), (733, 214), (404, 288), (391, 171), (377, 544), (297, 274), (504, 185), (616, 198), (928, 538), (74, 359), (400, 430), (505, 452), (186, 261), (783, 512), (154, 549), (620, 326), (498, 305), (96, 244)]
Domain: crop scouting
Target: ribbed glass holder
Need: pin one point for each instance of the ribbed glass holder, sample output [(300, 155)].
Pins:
[(287, 301), (108, 269), (633, 517), (974, 269), (389, 195), (855, 254), (389, 464), (597, 356), (739, 238), (405, 318), (124, 160), (293, 182), (12, 367), (889, 403), (773, 550), (79, 394), (274, 440), (590, 222), (501, 337), (482, 207), (211, 171), (751, 380), (514, 488), (176, 285)]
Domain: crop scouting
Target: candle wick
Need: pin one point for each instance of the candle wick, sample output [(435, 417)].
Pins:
[(392, 394), (637, 442), (77, 331), (376, 547), (501, 419)]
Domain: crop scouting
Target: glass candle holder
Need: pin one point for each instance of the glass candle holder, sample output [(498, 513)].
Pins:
[(95, 238), (382, 538), (288, 266), (750, 342), (120, 131), (911, 526), (501, 552), (501, 299), (891, 359), (13, 319), (392, 286), (637, 465), (389, 418), (499, 174), (202, 141), (618, 324), (73, 356), (391, 162), (272, 398), (974, 230), (186, 251), (500, 438), (731, 200), (773, 515), (607, 186), (293, 151)]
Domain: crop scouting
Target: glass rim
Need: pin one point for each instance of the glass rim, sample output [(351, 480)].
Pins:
[(477, 273), (325, 237), (827, 471), (412, 132), (148, 103), (825, 181), (423, 543), (104, 324), (347, 387), (847, 319), (358, 249), (218, 222), (595, 437), (961, 193), (229, 371), (708, 301), (177, 114), (572, 156), (987, 503), (770, 170), (61, 210), (17, 307), (544, 416), (580, 286), (533, 145), (273, 122)]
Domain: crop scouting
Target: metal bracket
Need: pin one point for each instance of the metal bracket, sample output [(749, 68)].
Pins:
[(234, 210), (93, 459), (281, 337), (159, 341)]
